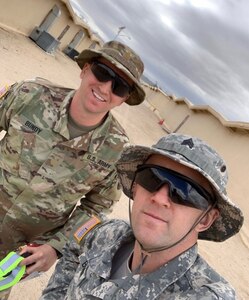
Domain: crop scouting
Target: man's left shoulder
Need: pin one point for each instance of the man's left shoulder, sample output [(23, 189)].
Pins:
[(116, 127), (211, 280), (110, 139)]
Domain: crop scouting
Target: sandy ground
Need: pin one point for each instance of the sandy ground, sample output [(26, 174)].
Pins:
[(20, 59)]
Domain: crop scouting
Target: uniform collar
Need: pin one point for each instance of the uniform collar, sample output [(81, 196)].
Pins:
[(62, 119), (150, 289), (91, 141)]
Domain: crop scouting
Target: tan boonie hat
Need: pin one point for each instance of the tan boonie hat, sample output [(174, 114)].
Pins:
[(195, 154), (123, 58)]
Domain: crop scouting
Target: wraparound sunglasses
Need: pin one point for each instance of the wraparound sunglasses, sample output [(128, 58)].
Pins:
[(103, 73), (182, 189)]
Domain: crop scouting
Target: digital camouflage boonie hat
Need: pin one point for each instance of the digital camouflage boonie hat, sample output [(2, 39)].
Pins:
[(123, 58), (195, 154)]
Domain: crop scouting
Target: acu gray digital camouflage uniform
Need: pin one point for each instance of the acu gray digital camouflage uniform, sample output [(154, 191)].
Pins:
[(43, 173), (84, 273)]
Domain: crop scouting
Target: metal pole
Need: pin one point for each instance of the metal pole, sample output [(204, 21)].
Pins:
[(118, 33)]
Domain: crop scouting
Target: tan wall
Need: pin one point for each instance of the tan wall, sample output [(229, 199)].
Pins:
[(23, 16), (232, 144)]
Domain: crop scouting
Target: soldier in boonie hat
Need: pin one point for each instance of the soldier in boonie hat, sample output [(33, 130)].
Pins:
[(125, 59), (195, 154), (179, 192), (78, 126)]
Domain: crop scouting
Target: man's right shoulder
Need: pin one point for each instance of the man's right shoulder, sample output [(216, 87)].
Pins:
[(33, 88), (36, 83), (112, 229), (39, 82)]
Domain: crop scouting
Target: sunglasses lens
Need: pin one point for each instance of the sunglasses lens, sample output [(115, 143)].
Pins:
[(120, 87), (182, 190), (103, 73), (148, 179)]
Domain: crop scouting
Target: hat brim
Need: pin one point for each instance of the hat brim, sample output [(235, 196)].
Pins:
[(230, 219), (137, 96)]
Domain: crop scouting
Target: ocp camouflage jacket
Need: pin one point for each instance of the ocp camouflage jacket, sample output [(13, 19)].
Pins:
[(43, 174)]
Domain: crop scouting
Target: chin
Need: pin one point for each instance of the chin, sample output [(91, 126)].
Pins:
[(146, 241)]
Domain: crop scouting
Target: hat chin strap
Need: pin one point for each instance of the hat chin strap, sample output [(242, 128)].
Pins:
[(148, 251)]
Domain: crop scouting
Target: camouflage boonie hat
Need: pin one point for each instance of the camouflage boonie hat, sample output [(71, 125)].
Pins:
[(195, 154), (123, 58)]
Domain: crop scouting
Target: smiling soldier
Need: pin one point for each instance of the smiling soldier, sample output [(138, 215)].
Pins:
[(61, 146)]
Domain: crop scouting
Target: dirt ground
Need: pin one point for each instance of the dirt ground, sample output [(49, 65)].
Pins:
[(21, 59)]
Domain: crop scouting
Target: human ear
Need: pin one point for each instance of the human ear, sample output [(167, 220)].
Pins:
[(208, 220), (83, 70)]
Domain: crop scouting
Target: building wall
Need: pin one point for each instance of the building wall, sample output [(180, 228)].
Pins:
[(231, 143), (23, 16)]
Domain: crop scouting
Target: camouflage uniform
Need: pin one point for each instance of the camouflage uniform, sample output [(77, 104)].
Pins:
[(84, 271), (43, 174)]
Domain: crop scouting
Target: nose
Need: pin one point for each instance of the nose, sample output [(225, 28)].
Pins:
[(161, 196)]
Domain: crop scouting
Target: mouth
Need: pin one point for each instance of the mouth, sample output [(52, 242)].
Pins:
[(98, 97), (155, 217)]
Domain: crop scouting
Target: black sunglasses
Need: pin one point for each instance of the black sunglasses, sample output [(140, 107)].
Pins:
[(103, 73), (182, 189)]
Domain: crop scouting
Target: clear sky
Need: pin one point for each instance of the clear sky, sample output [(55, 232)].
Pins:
[(197, 49)]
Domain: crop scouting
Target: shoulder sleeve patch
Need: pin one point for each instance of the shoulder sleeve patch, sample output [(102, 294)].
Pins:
[(85, 228), (3, 90)]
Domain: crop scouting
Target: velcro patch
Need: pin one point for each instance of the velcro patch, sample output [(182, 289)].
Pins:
[(85, 228)]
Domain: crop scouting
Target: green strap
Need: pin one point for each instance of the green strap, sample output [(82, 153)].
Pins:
[(10, 272)]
